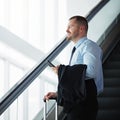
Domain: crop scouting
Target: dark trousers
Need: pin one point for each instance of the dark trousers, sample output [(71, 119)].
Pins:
[(88, 109)]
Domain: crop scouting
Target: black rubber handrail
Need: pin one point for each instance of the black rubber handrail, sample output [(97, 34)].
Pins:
[(21, 85)]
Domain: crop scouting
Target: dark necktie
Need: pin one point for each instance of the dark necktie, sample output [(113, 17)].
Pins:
[(73, 50)]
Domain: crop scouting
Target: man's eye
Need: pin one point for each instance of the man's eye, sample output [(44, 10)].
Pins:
[(71, 26)]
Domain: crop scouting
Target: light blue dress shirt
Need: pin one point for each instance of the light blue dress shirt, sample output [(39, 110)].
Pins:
[(89, 53)]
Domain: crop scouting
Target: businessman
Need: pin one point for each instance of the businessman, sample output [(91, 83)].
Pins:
[(89, 53)]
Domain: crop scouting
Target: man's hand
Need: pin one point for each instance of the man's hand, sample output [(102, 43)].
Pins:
[(50, 95), (55, 69)]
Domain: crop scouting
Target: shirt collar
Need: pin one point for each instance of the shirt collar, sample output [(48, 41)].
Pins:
[(79, 42)]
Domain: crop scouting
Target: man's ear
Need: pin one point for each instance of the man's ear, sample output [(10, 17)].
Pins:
[(82, 28)]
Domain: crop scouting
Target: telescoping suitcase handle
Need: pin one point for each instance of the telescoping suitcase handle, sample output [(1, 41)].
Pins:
[(46, 108)]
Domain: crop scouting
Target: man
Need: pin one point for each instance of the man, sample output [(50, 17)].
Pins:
[(89, 53)]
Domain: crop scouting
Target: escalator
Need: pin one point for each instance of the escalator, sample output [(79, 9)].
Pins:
[(109, 102), (111, 73)]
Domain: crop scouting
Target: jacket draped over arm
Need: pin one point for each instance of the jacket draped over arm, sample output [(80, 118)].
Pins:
[(71, 85)]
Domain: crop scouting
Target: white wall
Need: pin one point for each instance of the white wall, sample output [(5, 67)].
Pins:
[(80, 7)]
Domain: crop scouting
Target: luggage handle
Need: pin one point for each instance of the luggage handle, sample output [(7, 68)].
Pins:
[(46, 108)]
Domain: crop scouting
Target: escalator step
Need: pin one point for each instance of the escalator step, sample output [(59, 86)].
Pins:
[(108, 115), (114, 82), (111, 73), (109, 103)]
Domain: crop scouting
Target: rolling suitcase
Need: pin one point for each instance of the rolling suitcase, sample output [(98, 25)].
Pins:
[(46, 108)]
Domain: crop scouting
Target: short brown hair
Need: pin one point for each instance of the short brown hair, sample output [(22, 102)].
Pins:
[(81, 20)]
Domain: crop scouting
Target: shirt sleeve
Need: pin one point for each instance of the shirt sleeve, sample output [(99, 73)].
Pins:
[(91, 57)]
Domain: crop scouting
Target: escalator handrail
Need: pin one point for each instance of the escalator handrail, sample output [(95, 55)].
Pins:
[(21, 85)]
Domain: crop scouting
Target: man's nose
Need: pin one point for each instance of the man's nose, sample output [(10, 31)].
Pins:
[(67, 30)]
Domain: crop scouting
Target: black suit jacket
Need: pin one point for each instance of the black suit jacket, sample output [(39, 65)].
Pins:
[(71, 86)]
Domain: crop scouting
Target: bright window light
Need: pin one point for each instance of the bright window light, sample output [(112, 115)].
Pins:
[(15, 57)]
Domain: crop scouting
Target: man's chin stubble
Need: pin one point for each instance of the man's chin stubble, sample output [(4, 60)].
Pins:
[(68, 38)]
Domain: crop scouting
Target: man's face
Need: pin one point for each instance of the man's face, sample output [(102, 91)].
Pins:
[(73, 30)]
